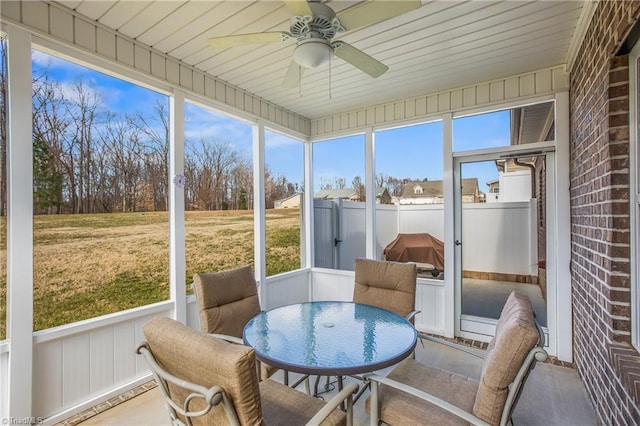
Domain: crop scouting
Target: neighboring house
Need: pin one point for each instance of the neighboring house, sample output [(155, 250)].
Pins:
[(494, 191), (431, 192), (513, 183), (382, 195), (330, 194), (291, 202)]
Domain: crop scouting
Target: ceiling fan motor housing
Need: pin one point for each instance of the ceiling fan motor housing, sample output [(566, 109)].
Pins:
[(322, 24)]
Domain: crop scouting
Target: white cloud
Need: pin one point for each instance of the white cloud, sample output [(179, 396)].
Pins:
[(206, 124), (275, 140)]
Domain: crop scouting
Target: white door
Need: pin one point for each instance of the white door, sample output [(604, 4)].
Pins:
[(503, 233)]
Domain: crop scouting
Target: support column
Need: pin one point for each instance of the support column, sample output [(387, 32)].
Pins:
[(564, 310), (259, 218), (370, 193), (308, 205), (177, 262), (449, 223), (19, 223)]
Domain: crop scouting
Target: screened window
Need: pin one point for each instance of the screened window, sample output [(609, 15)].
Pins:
[(218, 169), (284, 198), (99, 193), (409, 167), (339, 202)]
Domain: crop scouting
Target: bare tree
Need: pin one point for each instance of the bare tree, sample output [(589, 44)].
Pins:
[(155, 133), (359, 188)]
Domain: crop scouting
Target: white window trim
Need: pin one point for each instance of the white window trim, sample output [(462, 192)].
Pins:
[(634, 189)]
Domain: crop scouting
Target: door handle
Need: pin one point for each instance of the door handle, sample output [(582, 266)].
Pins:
[(457, 242)]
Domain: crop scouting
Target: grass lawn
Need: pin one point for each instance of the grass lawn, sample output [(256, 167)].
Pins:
[(91, 265)]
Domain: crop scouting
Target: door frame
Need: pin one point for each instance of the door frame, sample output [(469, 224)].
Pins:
[(482, 329)]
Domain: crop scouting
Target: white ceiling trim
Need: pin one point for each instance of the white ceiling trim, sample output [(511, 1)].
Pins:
[(580, 32), (507, 91), (63, 26)]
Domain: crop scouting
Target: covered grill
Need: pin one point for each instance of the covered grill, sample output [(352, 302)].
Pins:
[(419, 248)]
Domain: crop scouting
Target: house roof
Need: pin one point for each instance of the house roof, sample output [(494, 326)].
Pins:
[(343, 193), (326, 194), (281, 200), (433, 188)]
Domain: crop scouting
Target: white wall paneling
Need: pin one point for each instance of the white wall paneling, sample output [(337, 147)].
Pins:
[(4, 379), (193, 316), (331, 284), (522, 87), (81, 365), (287, 288)]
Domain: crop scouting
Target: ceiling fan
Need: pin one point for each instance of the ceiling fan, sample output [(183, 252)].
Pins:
[(314, 25)]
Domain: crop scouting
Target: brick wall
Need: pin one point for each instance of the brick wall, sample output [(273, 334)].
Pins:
[(600, 216)]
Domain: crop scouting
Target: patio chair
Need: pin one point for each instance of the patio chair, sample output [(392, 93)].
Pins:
[(387, 285), (227, 300), (414, 393), (210, 381)]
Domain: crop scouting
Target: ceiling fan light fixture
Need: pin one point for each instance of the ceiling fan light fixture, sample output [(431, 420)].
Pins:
[(313, 53)]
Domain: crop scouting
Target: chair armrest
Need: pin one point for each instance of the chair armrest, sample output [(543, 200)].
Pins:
[(211, 396), (231, 339), (411, 314), (345, 394), (376, 379), (478, 353)]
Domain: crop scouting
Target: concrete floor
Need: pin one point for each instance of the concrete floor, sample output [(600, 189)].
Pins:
[(484, 298), (553, 395)]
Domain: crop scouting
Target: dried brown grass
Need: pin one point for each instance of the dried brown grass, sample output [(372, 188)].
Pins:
[(90, 265)]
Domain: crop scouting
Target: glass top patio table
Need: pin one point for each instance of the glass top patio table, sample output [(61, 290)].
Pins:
[(330, 338)]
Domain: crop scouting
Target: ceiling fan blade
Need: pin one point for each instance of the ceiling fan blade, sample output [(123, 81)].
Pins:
[(293, 76), (298, 7), (375, 11), (251, 38), (359, 59)]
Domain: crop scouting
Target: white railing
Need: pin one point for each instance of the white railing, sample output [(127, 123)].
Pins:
[(332, 284), (4, 378), (80, 365)]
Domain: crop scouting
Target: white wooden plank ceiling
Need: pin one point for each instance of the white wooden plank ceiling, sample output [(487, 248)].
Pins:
[(442, 45)]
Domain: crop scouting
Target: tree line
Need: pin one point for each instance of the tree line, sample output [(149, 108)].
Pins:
[(394, 185), (89, 159)]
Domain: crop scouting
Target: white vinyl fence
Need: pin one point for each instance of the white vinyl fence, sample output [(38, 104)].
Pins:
[(498, 237)]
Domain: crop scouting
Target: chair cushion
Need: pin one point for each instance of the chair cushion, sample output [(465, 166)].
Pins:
[(227, 300), (282, 405), (389, 285), (400, 408), (516, 334), (207, 361)]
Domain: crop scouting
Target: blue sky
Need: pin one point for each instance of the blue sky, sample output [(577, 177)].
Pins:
[(411, 152)]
